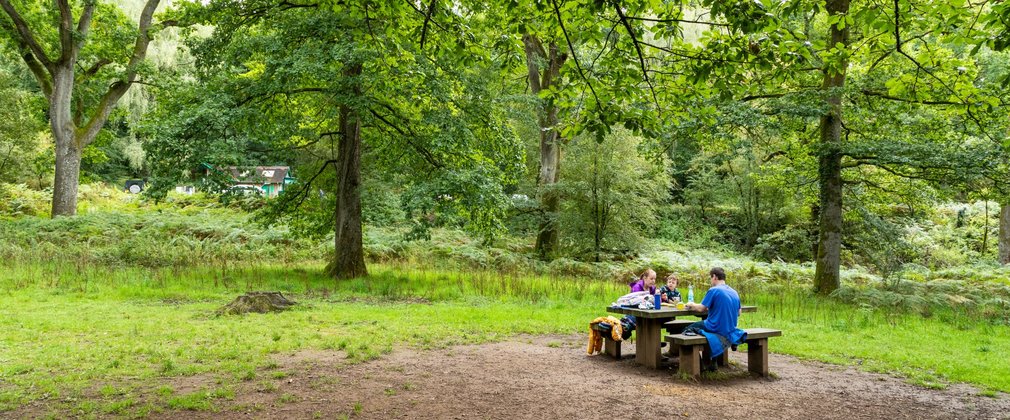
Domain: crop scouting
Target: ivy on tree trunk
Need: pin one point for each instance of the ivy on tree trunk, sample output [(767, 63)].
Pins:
[(829, 247)]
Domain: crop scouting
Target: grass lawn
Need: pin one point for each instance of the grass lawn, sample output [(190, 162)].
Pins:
[(928, 351), (95, 348)]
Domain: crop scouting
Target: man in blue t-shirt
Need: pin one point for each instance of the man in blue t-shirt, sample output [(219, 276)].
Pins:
[(722, 304)]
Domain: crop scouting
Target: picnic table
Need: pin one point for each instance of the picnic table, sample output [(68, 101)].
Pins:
[(650, 329)]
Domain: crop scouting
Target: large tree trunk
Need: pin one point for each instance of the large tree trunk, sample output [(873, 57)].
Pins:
[(68, 172), (55, 76), (1004, 234), (349, 256), (68, 150), (550, 203), (550, 138), (829, 247)]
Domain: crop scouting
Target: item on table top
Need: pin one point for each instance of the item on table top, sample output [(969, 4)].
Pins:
[(657, 301), (680, 306), (634, 299), (690, 293)]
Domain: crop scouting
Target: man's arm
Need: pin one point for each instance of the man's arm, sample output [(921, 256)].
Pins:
[(696, 307)]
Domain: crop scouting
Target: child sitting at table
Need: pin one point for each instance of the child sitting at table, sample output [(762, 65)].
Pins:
[(669, 291), (645, 282)]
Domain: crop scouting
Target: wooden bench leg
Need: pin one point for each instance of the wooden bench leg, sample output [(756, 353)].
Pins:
[(724, 358), (690, 361), (675, 329), (673, 351), (757, 356), (612, 348)]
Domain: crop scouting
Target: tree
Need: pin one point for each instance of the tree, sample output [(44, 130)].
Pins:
[(886, 63), (829, 244), (591, 68), (541, 81), (319, 85), (614, 196), (82, 71)]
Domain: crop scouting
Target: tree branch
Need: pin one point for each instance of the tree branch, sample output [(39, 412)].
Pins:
[(287, 5), (425, 153), (575, 57), (641, 57), (868, 92), (39, 71), (84, 24), (671, 20), (427, 18), (66, 31), (303, 193), (91, 71), (749, 98), (26, 36), (141, 82), (250, 98), (422, 13), (686, 55), (533, 48), (119, 88)]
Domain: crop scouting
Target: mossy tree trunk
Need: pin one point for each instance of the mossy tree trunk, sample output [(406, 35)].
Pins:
[(829, 246), (543, 66), (349, 256)]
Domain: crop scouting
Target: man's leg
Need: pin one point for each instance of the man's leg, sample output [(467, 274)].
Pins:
[(695, 328)]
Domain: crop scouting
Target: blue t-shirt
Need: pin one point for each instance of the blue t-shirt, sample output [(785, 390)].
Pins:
[(723, 305)]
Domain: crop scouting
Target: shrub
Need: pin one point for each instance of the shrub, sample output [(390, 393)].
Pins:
[(19, 200), (792, 244)]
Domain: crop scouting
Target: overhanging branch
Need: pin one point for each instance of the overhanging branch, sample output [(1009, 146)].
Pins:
[(427, 18), (26, 36), (119, 88), (672, 20), (571, 48), (641, 57)]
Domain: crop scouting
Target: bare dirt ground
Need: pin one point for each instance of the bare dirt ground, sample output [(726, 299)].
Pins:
[(546, 377), (551, 377)]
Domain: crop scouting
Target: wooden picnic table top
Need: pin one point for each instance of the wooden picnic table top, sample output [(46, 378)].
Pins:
[(665, 312)]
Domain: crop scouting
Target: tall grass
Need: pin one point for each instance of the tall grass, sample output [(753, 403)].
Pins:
[(61, 324), (949, 345)]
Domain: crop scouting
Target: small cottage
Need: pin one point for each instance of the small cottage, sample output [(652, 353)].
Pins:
[(271, 180)]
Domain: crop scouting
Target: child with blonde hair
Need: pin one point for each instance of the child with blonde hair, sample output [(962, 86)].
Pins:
[(669, 291)]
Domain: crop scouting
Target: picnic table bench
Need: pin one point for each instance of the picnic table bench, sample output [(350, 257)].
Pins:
[(649, 325), (611, 347), (692, 346)]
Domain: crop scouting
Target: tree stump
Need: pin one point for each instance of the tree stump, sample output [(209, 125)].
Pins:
[(259, 302)]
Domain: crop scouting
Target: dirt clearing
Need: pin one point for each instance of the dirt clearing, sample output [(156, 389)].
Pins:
[(551, 377), (546, 377)]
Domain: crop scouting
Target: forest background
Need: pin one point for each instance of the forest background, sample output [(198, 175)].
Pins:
[(857, 150)]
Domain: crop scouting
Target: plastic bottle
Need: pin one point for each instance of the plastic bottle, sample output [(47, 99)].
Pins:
[(658, 303), (690, 293)]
